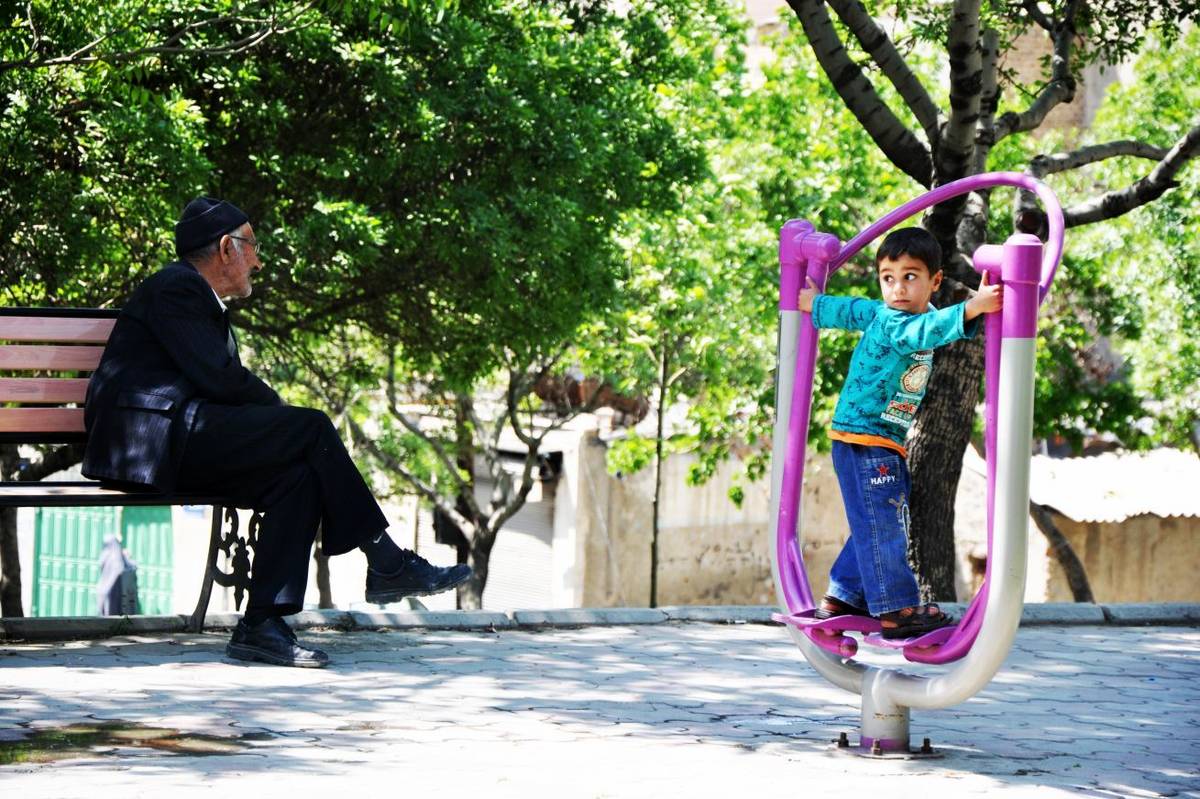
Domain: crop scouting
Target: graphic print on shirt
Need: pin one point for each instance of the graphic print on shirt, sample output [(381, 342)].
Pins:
[(913, 381), (913, 378)]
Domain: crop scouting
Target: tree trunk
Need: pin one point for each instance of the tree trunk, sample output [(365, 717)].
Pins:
[(324, 592), (470, 593), (10, 558), (462, 554), (1077, 579), (940, 435), (658, 464), (10, 565)]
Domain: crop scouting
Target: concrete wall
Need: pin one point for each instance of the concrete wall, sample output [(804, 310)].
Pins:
[(1025, 57), (715, 553), (1142, 559), (613, 525), (190, 526), (710, 551)]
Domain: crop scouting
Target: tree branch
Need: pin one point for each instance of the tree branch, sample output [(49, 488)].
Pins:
[(272, 26), (37, 37), (1044, 165), (957, 142), (1060, 89), (989, 99), (972, 226), (414, 427), (883, 52), (424, 489), (138, 13), (1037, 15), (490, 449), (895, 140), (1147, 189), (512, 400), (465, 452), (506, 511), (1076, 574), (519, 384), (439, 451)]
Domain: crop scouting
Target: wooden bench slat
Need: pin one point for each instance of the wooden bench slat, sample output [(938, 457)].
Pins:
[(41, 420), (52, 328), (49, 357), (82, 493), (43, 389)]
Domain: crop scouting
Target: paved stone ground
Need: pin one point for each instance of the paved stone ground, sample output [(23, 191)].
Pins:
[(663, 710)]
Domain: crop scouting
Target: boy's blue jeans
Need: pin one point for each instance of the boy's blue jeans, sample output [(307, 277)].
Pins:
[(872, 570)]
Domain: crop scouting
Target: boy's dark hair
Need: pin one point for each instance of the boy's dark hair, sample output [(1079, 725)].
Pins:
[(912, 241)]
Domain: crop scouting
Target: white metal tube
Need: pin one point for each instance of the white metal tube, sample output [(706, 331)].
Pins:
[(846, 674), (785, 377)]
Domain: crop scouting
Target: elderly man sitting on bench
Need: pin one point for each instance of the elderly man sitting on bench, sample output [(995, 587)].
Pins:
[(172, 408)]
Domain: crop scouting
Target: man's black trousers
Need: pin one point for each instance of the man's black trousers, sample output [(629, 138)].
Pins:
[(290, 464)]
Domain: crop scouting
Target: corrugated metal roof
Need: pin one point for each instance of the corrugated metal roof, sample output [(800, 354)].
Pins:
[(1114, 486)]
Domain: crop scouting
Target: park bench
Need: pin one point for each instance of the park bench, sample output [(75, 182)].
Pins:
[(51, 352)]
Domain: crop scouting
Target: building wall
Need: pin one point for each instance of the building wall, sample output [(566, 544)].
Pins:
[(613, 525), (710, 551), (1141, 559), (1025, 57), (190, 526)]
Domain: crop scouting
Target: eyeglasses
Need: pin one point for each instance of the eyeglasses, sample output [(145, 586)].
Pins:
[(248, 241)]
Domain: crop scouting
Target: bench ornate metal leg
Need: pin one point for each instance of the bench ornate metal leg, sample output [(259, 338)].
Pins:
[(237, 549)]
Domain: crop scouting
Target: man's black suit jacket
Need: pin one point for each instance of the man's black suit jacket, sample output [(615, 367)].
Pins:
[(168, 352)]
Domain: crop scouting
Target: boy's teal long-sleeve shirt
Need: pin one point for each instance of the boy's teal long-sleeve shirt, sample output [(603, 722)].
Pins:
[(892, 363)]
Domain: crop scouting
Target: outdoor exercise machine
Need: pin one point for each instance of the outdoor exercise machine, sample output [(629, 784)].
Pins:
[(980, 641)]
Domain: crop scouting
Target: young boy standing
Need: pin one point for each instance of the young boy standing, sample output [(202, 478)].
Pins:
[(883, 389)]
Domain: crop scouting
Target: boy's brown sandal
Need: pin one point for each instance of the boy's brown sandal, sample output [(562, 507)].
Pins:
[(911, 622)]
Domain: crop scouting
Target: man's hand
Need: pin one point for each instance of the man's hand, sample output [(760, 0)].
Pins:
[(806, 296), (988, 299)]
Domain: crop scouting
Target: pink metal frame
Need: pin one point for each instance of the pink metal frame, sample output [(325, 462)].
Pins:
[(1025, 271)]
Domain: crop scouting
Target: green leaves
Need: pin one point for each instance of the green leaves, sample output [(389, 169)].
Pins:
[(1118, 353), (495, 150)]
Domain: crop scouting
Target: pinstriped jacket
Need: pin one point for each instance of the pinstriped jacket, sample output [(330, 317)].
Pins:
[(167, 353)]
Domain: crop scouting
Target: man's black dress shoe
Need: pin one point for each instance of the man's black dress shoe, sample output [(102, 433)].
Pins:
[(417, 577), (272, 641)]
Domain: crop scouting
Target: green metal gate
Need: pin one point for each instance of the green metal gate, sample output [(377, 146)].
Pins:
[(66, 557)]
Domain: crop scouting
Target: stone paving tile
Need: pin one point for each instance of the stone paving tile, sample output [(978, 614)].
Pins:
[(660, 710)]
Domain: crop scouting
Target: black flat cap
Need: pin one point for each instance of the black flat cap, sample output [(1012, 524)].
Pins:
[(204, 220)]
